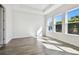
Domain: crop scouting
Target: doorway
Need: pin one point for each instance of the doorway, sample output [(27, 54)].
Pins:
[(2, 43)]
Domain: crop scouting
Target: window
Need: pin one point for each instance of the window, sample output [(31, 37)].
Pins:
[(49, 24), (66, 23), (58, 21), (73, 21)]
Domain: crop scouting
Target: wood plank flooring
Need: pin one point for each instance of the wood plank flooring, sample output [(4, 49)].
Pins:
[(40, 46)]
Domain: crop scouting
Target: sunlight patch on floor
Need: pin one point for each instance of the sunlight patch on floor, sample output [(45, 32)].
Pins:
[(49, 46), (51, 41), (68, 49), (48, 41), (45, 38), (39, 39)]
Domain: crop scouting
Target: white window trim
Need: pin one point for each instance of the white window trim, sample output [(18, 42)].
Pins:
[(55, 23), (47, 24), (66, 19), (74, 8), (66, 23)]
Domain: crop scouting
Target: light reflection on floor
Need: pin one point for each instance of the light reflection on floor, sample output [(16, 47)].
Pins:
[(68, 49), (51, 47), (57, 47), (39, 39), (51, 41), (47, 40)]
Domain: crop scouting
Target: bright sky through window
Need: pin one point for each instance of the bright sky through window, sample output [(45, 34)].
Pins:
[(58, 18), (73, 13)]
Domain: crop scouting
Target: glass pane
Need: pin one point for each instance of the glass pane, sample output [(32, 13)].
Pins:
[(73, 21), (58, 20), (50, 24)]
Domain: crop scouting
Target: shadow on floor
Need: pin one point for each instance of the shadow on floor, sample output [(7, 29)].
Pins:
[(67, 49), (56, 52), (43, 46)]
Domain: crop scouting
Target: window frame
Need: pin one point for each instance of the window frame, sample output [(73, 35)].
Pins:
[(48, 25), (65, 13), (60, 14), (66, 19)]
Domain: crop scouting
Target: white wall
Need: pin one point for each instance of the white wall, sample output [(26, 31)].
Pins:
[(19, 23), (72, 39), (26, 24), (23, 24), (8, 23)]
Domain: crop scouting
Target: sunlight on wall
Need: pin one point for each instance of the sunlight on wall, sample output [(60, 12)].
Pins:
[(39, 32)]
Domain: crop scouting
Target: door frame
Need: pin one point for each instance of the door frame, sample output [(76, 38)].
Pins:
[(3, 45)]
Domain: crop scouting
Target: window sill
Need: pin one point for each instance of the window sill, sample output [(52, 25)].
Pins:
[(66, 34), (72, 34)]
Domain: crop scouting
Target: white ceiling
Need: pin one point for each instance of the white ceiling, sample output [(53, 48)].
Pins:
[(34, 8), (40, 7)]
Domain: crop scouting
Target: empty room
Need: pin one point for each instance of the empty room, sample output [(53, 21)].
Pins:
[(39, 29)]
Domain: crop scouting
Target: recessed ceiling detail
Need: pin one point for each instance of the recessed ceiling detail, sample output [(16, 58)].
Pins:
[(34, 8)]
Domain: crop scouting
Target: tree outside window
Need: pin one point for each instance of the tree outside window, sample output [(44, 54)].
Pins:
[(58, 20), (73, 21)]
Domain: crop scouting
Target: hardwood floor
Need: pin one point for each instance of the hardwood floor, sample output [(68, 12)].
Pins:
[(22, 46), (40, 46)]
